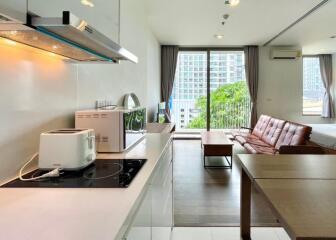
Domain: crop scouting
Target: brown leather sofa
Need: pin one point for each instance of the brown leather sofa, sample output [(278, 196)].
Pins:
[(270, 134)]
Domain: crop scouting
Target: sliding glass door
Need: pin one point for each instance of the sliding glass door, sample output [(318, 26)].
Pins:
[(210, 90), (229, 97), (188, 103)]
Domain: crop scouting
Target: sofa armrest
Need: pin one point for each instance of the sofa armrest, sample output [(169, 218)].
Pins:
[(248, 128), (300, 149)]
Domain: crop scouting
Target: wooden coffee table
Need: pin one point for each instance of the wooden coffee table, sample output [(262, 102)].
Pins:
[(216, 144)]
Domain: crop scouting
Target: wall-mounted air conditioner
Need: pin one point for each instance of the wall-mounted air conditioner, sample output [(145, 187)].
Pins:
[(285, 54)]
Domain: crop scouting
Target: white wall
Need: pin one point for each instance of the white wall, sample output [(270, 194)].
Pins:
[(280, 89), (153, 93), (334, 79), (39, 92)]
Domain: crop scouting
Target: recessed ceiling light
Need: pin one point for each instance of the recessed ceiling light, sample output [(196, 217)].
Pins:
[(226, 16), (218, 36), (232, 3), (88, 3)]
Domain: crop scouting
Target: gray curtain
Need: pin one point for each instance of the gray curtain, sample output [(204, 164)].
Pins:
[(252, 75), (168, 67), (326, 74)]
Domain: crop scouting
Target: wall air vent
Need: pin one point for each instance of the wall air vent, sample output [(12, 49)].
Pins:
[(286, 54)]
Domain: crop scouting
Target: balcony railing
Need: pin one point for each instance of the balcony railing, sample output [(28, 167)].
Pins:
[(223, 115), (231, 115)]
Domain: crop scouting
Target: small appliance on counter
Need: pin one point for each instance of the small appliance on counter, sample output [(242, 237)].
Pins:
[(116, 129), (67, 149), (62, 150), (67, 159)]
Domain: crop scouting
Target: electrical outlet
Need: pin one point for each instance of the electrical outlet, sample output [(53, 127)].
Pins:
[(105, 104)]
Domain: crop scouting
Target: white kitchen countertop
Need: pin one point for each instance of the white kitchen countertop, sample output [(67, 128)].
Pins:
[(78, 214)]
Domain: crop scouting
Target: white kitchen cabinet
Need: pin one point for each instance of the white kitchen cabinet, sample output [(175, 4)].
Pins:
[(162, 197), (142, 220), (16, 9), (154, 217), (104, 16)]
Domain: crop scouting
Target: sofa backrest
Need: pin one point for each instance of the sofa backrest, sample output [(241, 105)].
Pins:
[(261, 125), (293, 134), (273, 131)]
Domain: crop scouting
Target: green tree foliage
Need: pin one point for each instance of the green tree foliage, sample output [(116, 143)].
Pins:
[(229, 107)]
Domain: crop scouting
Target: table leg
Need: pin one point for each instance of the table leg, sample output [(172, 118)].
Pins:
[(229, 162), (245, 207), (203, 155)]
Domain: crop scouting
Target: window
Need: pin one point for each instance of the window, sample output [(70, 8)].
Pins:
[(313, 89), (226, 82)]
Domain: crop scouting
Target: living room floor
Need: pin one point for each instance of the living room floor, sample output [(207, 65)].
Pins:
[(227, 233), (211, 197)]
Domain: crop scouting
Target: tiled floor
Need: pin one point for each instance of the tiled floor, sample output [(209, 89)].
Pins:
[(227, 233)]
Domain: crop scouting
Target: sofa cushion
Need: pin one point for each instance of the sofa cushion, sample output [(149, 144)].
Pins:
[(242, 139), (240, 133), (255, 149), (273, 131), (250, 148), (258, 142), (261, 125), (293, 134)]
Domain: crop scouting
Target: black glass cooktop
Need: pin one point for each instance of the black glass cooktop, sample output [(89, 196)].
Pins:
[(116, 173)]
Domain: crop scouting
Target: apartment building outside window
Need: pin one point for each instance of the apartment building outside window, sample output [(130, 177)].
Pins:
[(313, 89)]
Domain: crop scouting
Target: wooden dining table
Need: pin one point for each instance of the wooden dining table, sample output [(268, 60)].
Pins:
[(301, 190)]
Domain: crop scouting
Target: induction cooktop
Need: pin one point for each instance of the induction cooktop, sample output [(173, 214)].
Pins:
[(111, 173)]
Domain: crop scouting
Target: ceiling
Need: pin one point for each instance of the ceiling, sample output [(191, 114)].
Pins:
[(252, 22), (314, 32)]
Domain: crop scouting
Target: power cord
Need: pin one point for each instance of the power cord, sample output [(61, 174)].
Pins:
[(53, 173)]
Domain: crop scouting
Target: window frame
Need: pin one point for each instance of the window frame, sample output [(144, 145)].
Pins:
[(302, 111), (208, 51)]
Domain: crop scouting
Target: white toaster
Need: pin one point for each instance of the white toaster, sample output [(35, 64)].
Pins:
[(67, 149)]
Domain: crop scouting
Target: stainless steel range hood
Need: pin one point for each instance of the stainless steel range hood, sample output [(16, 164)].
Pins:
[(68, 36)]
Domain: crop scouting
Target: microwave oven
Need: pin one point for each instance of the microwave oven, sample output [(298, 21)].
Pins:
[(116, 129)]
